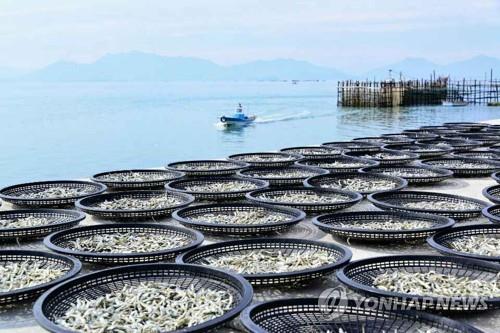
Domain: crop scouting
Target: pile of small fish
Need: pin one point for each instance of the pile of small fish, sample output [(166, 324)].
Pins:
[(390, 224), (337, 164), (226, 186), (282, 173), (270, 260), (127, 242), (242, 217), (25, 222), (265, 158), (200, 166), (360, 184), (410, 173), (151, 307), (459, 164), (485, 245), (436, 284), (55, 192), (386, 156), (23, 274), (441, 205), (314, 151), (154, 202), (307, 197), (133, 176)]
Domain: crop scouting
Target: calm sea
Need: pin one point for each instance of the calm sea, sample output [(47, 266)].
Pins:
[(73, 130)]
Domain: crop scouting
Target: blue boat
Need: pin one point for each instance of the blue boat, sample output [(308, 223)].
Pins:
[(237, 119)]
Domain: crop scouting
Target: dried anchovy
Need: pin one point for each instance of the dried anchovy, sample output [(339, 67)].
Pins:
[(127, 242), (485, 245), (232, 186), (270, 260), (155, 202), (29, 273), (304, 197), (390, 224), (458, 164), (55, 192), (243, 217), (409, 173), (440, 205), (150, 307), (134, 176), (25, 222), (314, 151), (360, 184), (436, 284), (386, 156), (284, 173), (265, 158), (337, 164), (199, 166)]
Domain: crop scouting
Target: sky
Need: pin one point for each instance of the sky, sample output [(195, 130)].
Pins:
[(353, 35)]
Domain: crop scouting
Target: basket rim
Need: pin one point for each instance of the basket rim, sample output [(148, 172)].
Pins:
[(95, 178), (76, 216), (344, 250), (441, 172), (496, 176), (374, 198), (490, 216), (101, 188), (246, 294), (342, 276), (80, 204), (486, 193), (294, 157), (433, 241), (446, 222), (248, 323), (354, 197), (262, 184), (319, 170), (48, 240), (75, 264), (301, 215), (238, 165), (402, 183)]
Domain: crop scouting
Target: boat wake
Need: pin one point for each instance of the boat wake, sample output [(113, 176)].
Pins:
[(278, 117)]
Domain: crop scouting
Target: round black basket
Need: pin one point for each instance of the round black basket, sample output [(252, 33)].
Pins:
[(487, 155), (272, 175), (492, 213), (492, 193), (90, 205), (485, 167), (494, 148), (325, 181), (60, 219), (443, 240), (421, 149), (201, 218), (411, 135), (338, 164), (396, 200), (458, 145), (348, 199), (14, 194), (485, 139), (54, 303), (207, 168), (71, 265), (267, 159), (336, 314), (360, 276), (181, 186), (414, 175), (353, 146), (384, 140), (160, 178), (287, 246), (61, 242), (394, 157), (313, 151), (347, 225)]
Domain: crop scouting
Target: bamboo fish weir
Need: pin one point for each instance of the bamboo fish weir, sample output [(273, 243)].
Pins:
[(253, 242)]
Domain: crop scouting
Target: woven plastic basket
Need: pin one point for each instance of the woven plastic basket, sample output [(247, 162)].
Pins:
[(339, 164), (207, 168), (414, 175), (283, 176), (157, 179), (267, 159)]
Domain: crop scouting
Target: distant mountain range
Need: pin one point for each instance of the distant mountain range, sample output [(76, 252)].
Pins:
[(138, 66)]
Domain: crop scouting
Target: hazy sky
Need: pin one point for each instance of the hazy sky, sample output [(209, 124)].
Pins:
[(351, 34)]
